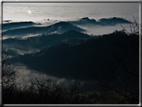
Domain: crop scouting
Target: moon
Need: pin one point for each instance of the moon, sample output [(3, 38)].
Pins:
[(29, 12)]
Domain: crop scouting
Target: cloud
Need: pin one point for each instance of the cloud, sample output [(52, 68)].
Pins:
[(26, 75), (100, 30)]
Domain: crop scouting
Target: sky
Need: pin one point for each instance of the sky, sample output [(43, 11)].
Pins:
[(68, 11)]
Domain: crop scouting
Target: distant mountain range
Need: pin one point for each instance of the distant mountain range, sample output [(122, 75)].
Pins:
[(103, 22), (59, 27), (43, 41), (21, 29), (14, 25)]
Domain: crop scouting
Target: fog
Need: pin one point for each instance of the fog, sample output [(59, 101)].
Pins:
[(100, 30), (26, 75)]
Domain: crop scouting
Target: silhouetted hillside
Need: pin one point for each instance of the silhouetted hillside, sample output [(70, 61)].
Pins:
[(78, 60), (85, 21), (113, 21), (103, 22), (43, 41), (60, 27), (14, 25)]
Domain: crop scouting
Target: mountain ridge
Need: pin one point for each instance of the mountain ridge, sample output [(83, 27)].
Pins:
[(59, 27), (103, 21)]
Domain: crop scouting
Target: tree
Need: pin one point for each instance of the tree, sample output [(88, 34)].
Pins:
[(125, 86), (9, 78), (39, 92)]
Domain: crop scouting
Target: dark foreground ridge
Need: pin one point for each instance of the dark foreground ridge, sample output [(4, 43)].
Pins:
[(65, 60)]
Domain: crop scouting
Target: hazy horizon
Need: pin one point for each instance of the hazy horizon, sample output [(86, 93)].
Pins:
[(68, 11)]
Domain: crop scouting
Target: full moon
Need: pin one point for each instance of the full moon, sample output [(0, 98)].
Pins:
[(29, 12)]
